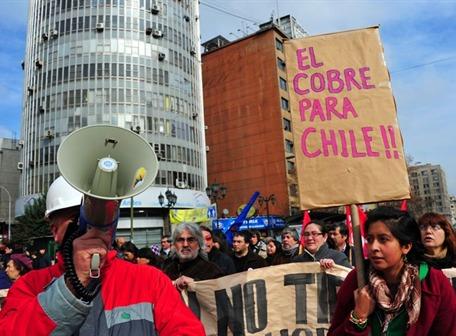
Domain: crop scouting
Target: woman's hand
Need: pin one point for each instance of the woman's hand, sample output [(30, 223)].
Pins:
[(364, 303), (327, 263)]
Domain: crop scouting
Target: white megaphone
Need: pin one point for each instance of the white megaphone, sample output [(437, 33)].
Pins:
[(107, 164)]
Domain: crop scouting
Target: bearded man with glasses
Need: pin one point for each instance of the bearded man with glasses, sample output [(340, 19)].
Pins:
[(188, 261)]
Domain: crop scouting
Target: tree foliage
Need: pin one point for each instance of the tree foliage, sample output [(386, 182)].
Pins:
[(32, 224)]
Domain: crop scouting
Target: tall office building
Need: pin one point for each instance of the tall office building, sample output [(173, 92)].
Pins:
[(247, 113), (429, 189), (129, 63)]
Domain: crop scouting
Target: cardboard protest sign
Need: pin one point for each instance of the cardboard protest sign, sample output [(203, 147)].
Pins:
[(348, 144), (291, 299)]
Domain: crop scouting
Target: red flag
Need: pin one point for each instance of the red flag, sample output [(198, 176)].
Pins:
[(349, 224), (305, 220), (404, 206), (362, 219)]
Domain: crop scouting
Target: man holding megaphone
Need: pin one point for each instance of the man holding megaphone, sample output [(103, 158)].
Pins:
[(90, 291)]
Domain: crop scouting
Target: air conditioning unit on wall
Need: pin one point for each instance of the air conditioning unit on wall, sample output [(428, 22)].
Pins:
[(54, 33), (181, 184), (157, 33), (100, 27), (155, 9)]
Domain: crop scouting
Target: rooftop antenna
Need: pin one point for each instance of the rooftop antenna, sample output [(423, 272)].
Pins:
[(278, 16)]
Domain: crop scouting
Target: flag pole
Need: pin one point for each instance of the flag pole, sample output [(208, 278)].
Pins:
[(358, 246)]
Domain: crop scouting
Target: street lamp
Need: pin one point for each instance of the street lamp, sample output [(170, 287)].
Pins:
[(171, 199), (216, 191), (265, 200), (9, 211)]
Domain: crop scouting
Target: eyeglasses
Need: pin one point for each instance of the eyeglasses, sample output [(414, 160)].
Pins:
[(165, 241), (190, 240), (313, 234), (424, 227)]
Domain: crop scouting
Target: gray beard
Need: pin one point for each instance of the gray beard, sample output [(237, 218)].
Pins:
[(187, 257)]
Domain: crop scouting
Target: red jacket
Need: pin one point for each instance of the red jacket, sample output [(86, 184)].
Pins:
[(437, 313), (134, 300)]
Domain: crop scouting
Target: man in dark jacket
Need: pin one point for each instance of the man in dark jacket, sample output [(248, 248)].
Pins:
[(244, 259), (42, 259), (338, 234), (189, 262), (219, 258), (165, 243)]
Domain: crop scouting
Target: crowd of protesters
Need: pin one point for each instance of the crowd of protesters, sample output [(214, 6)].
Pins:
[(405, 291), (196, 252)]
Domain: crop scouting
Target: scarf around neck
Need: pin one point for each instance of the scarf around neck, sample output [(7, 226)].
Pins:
[(440, 255), (408, 295)]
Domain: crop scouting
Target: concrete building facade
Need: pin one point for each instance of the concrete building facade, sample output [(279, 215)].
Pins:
[(287, 25), (129, 63), (248, 122), (429, 188), (453, 210), (9, 182)]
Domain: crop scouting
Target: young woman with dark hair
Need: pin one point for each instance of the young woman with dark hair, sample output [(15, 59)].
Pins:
[(403, 295), (274, 252)]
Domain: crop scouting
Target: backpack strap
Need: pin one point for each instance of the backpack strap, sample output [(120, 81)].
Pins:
[(423, 270)]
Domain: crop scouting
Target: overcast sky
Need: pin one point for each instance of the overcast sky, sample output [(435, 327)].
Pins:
[(418, 37)]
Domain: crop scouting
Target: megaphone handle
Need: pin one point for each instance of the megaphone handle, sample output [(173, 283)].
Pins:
[(95, 266), (86, 294)]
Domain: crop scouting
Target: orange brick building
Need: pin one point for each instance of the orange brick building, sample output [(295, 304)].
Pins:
[(248, 122)]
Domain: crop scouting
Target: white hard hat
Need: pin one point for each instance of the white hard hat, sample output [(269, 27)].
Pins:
[(61, 195)]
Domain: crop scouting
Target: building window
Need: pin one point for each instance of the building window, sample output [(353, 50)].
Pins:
[(291, 167), (289, 146), (279, 45), (281, 64), (284, 103), (286, 124), (283, 84), (293, 190)]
